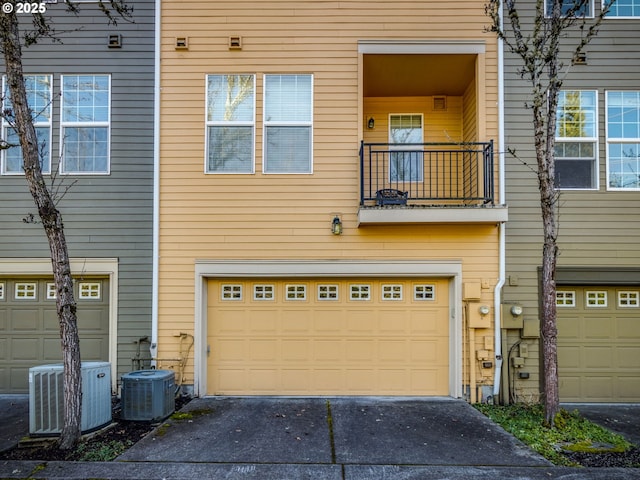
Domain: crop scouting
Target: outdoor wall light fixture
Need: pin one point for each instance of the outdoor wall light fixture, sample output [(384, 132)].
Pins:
[(336, 226), (483, 310), (371, 123)]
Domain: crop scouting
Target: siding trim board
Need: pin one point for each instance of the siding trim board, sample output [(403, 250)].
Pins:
[(596, 275), (205, 269)]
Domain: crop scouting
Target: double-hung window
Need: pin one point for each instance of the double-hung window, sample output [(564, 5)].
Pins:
[(230, 123), (39, 92), (572, 8), (288, 119), (623, 140), (85, 125), (576, 140), (623, 8)]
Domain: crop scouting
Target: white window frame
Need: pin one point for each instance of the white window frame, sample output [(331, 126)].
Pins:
[(26, 291), (594, 140), (3, 287), (51, 291), (295, 292), (360, 292), (267, 123), (565, 298), (601, 298), (392, 292), (212, 123), (589, 15), (628, 299), (231, 292), (264, 292), (40, 122), (89, 290), (631, 141), (64, 124), (614, 8), (328, 292), (424, 292)]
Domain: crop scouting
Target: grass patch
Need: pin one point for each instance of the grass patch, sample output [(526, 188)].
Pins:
[(571, 432), (104, 452)]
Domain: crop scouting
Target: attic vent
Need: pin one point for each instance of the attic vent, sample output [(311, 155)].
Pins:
[(439, 103), (235, 43), (580, 58), (182, 43), (115, 41)]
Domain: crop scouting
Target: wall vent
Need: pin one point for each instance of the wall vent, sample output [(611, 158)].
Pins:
[(235, 43), (148, 395), (46, 398), (182, 43), (115, 41), (440, 103)]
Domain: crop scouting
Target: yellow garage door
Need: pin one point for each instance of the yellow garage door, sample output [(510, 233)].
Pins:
[(328, 337), (599, 344)]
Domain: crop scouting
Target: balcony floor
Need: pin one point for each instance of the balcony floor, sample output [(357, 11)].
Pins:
[(475, 214)]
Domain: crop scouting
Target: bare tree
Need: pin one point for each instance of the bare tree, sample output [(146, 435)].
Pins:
[(546, 50), (12, 40)]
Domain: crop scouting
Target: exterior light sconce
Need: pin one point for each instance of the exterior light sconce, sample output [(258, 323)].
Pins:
[(483, 309), (371, 123), (336, 226)]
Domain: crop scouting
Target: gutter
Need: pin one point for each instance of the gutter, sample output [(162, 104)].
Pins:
[(156, 187), (501, 227)]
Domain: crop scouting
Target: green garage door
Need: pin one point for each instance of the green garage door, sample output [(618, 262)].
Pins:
[(599, 344), (29, 333)]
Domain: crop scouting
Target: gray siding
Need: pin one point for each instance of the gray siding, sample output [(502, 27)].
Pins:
[(106, 216), (598, 228)]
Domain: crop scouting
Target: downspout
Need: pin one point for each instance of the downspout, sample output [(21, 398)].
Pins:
[(501, 227), (156, 187)]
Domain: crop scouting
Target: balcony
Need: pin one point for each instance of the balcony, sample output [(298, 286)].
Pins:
[(428, 183)]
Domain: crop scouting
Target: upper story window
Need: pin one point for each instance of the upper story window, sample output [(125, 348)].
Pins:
[(288, 118), (574, 8), (39, 94), (623, 8), (85, 123), (230, 123), (623, 140), (576, 140)]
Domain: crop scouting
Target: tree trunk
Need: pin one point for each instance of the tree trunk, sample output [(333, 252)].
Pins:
[(52, 223)]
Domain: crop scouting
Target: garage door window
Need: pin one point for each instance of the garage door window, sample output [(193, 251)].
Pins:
[(360, 292), (231, 292), (89, 291), (25, 291), (296, 292), (597, 299), (263, 292), (391, 292), (424, 292), (628, 299), (328, 292), (51, 291), (566, 299), (1, 290)]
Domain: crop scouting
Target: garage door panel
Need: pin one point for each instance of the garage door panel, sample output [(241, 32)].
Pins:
[(27, 348), (25, 319), (329, 343), (599, 348), (51, 323)]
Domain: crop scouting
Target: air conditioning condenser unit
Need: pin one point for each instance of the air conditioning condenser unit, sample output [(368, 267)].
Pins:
[(46, 398), (148, 395)]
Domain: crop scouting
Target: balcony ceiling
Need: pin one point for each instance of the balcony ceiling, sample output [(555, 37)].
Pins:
[(417, 75)]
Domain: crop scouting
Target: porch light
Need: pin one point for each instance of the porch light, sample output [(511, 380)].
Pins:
[(371, 123), (336, 226)]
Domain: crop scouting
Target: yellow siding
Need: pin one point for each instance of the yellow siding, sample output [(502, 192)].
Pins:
[(258, 216)]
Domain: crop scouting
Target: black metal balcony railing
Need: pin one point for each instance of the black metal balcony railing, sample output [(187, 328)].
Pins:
[(426, 174)]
